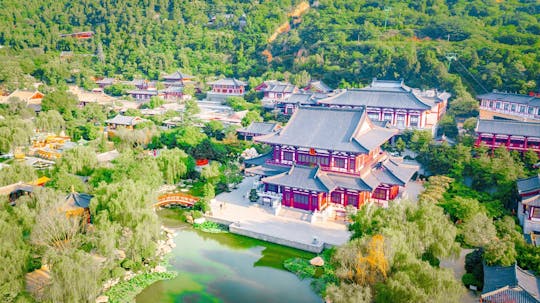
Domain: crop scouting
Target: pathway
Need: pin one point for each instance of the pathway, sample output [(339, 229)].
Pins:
[(290, 225)]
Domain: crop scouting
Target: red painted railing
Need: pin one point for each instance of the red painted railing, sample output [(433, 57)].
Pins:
[(176, 199)]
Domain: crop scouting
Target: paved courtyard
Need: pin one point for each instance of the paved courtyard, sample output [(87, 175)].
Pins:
[(290, 224)]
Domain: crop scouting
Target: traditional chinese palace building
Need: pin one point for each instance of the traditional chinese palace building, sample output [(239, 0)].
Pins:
[(275, 92), (223, 88), (177, 79), (257, 129), (509, 106), (393, 101), (327, 156), (529, 204), (514, 135)]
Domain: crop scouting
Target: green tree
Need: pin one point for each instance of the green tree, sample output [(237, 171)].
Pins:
[(174, 164), (478, 230), (63, 102), (251, 116), (17, 172), (50, 121), (80, 160)]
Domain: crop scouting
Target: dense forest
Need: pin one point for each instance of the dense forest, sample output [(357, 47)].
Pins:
[(461, 46)]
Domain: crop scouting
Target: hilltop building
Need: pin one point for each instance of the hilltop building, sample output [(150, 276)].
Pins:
[(223, 88), (529, 204), (514, 135), (177, 79), (329, 156), (509, 106), (402, 106)]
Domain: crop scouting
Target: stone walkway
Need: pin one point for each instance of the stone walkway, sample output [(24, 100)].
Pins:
[(290, 225)]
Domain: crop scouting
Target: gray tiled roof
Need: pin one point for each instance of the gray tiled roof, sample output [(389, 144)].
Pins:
[(259, 160), (348, 130), (260, 128), (514, 98), (510, 282), (124, 120), (106, 81), (266, 169), (142, 92), (177, 76), (349, 182), (174, 89), (528, 184), (316, 85), (509, 127), (228, 81), (299, 177), (300, 98), (79, 199), (278, 87), (377, 98)]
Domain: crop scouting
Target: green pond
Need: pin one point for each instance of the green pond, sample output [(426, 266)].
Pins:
[(227, 268)]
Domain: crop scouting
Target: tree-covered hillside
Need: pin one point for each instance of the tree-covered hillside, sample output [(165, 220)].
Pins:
[(491, 44)]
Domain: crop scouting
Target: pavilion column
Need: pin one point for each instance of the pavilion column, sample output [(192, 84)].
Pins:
[(493, 141), (407, 122), (525, 144), (394, 121), (508, 141)]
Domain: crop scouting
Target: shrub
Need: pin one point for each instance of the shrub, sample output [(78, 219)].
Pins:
[(127, 264), (469, 279)]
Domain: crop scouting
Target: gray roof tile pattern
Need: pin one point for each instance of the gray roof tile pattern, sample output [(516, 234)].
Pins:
[(509, 127), (79, 199), (510, 282), (351, 182), (259, 160), (508, 97), (331, 129), (376, 98), (266, 169), (260, 128), (299, 177), (528, 184), (124, 120), (280, 88), (300, 98), (142, 92), (390, 171), (228, 81), (177, 76), (319, 86)]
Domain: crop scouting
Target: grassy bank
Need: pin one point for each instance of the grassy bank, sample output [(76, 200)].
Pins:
[(211, 227), (321, 275), (126, 291)]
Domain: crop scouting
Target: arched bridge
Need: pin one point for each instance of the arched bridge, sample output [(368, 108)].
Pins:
[(176, 199)]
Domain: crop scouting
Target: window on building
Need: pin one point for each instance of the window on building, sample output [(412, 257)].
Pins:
[(373, 116), (335, 197), (352, 200), (522, 108), (339, 162), (414, 121), (379, 194), (530, 110), (535, 213), (506, 106), (490, 104), (400, 120), (498, 105), (288, 156), (388, 117), (513, 107), (301, 199), (272, 188)]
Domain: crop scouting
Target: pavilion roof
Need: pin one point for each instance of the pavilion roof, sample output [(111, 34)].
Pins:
[(509, 127), (301, 177), (178, 75), (348, 130), (77, 200), (228, 81), (509, 97), (318, 86), (124, 120), (528, 184), (510, 282), (300, 98), (261, 128), (394, 171)]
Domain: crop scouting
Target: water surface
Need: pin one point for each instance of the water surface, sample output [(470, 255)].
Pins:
[(227, 268)]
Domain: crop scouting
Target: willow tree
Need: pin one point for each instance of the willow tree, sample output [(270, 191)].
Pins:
[(50, 121), (173, 164), (80, 160), (17, 172)]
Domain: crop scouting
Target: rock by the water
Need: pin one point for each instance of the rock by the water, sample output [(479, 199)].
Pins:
[(102, 299), (199, 220), (317, 261), (160, 268)]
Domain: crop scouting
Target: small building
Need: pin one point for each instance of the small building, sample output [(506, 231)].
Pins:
[(175, 93), (289, 105), (144, 84), (123, 121), (104, 82), (509, 106), (223, 88), (509, 284), (31, 98), (332, 158), (275, 92), (317, 86), (513, 135), (177, 79), (87, 97), (257, 129), (16, 190), (529, 204), (78, 205), (142, 94), (393, 101)]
